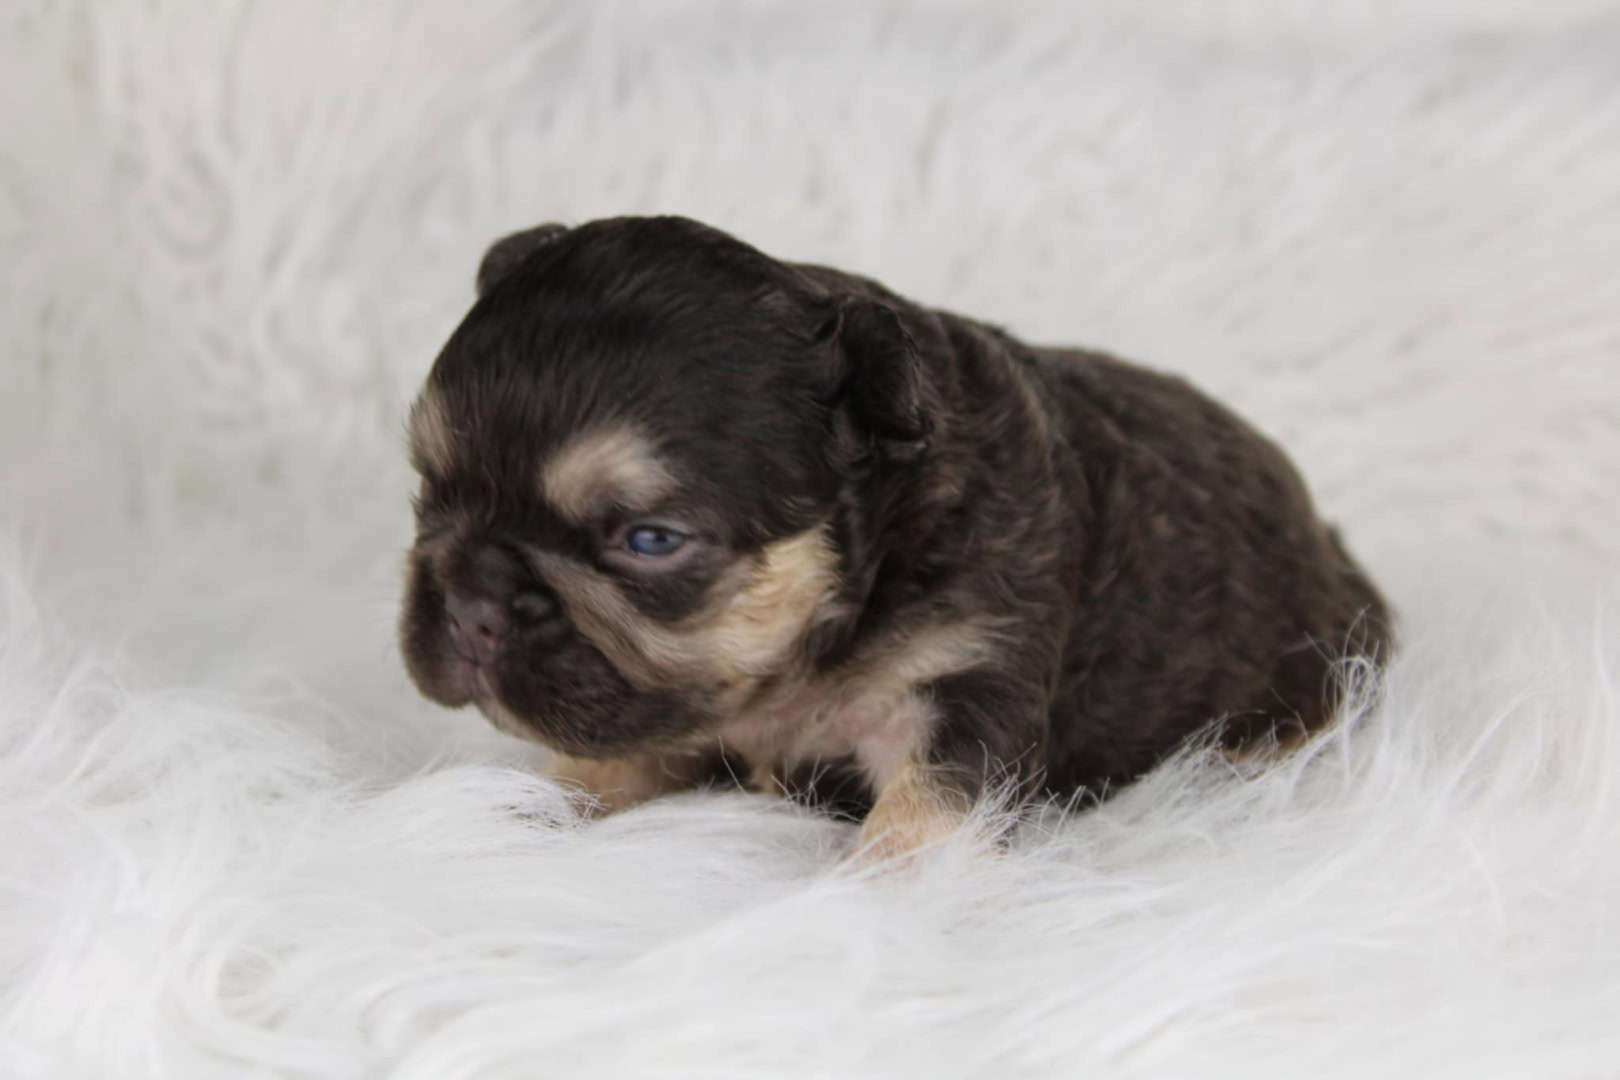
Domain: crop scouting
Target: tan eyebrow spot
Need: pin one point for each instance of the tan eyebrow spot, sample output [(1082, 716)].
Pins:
[(432, 445), (614, 462)]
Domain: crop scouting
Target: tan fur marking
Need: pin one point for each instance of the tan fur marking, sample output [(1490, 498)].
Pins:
[(618, 783), (609, 463), (757, 614), (432, 442), (913, 811), (743, 649), (870, 709)]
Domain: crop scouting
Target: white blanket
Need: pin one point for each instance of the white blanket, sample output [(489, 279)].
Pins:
[(234, 841)]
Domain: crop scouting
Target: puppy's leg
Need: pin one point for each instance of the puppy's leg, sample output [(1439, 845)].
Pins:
[(618, 783), (916, 808), (973, 729)]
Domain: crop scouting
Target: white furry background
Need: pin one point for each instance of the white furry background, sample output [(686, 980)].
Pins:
[(232, 237)]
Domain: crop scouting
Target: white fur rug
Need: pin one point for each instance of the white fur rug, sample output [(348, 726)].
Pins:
[(233, 841)]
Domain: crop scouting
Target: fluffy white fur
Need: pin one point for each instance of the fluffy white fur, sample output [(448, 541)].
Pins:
[(234, 841)]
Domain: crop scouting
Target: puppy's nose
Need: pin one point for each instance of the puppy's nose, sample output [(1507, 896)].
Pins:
[(477, 626)]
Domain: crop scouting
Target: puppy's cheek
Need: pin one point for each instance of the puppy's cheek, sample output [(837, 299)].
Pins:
[(572, 699)]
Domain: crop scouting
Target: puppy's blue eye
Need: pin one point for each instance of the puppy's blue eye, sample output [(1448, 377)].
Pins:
[(654, 540)]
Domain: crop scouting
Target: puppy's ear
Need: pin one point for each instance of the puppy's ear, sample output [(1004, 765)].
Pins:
[(884, 387), (507, 252)]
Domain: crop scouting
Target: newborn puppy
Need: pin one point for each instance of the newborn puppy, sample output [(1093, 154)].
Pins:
[(687, 510)]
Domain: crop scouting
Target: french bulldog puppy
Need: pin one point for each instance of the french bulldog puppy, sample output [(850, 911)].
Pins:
[(689, 511)]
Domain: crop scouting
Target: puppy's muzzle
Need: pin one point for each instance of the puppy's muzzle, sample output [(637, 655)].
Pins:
[(490, 597)]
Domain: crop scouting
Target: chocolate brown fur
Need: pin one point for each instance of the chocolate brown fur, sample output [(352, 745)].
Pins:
[(921, 555)]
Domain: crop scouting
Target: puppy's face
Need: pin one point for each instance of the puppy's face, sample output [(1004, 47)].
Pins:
[(628, 485)]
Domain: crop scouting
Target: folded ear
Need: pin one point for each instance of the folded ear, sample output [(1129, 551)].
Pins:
[(506, 253), (885, 385)]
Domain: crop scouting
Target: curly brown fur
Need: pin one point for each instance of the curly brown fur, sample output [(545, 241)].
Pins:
[(912, 552)]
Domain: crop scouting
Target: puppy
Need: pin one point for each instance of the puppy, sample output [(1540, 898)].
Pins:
[(688, 511)]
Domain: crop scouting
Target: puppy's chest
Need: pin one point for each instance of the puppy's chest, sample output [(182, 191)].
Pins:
[(878, 724), (877, 711)]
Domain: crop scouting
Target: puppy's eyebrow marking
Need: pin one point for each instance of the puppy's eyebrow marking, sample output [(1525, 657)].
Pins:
[(432, 444), (606, 463)]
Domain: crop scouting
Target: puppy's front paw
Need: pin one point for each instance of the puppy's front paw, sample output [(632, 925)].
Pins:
[(612, 783), (915, 811)]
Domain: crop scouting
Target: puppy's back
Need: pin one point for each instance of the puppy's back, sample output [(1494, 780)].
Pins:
[(1210, 587)]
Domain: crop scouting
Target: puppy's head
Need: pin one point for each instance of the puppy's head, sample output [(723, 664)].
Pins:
[(636, 456)]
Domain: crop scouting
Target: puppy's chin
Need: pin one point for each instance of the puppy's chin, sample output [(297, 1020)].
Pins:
[(444, 680), (645, 723), (573, 699), (454, 682), (458, 683)]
